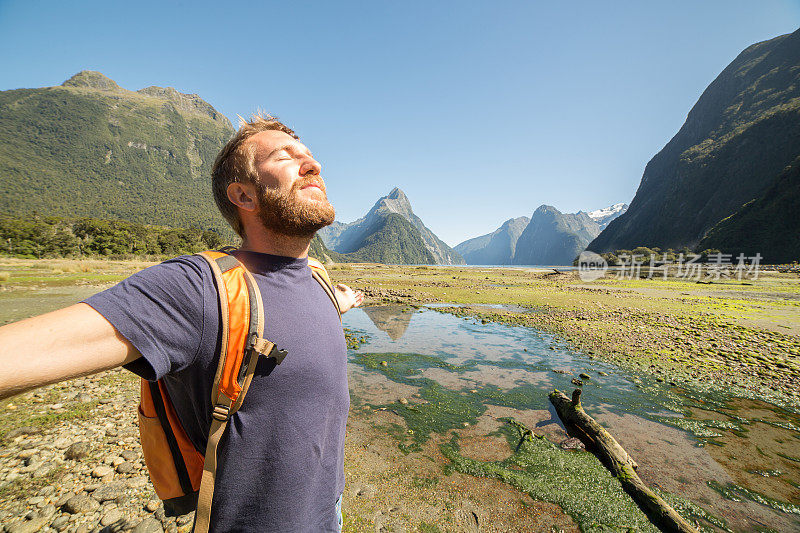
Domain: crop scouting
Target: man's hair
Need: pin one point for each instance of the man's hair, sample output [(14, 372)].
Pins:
[(236, 163)]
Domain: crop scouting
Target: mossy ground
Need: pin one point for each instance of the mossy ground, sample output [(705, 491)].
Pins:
[(743, 335)]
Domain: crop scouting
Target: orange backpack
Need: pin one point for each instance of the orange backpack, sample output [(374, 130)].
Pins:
[(182, 476)]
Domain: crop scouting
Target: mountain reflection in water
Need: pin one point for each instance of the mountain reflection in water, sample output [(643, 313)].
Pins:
[(392, 319), (736, 458)]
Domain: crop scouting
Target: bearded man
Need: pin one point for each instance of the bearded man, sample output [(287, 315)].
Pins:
[(280, 461)]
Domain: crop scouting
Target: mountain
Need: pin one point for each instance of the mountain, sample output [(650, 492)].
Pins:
[(769, 225), (604, 216), (496, 248), (554, 238), (741, 134), (356, 237), (92, 148), (321, 253), (392, 240)]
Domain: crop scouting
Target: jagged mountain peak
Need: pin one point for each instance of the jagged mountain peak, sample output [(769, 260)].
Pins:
[(544, 209), (397, 194), (92, 79), (395, 202), (350, 238)]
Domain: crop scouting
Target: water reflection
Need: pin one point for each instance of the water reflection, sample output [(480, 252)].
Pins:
[(734, 445), (391, 319)]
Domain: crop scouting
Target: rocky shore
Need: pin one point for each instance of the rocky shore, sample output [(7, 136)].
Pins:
[(75, 464)]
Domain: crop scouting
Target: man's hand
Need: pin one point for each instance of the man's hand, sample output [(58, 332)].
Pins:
[(347, 297)]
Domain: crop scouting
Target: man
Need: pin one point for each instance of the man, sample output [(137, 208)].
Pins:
[(280, 461)]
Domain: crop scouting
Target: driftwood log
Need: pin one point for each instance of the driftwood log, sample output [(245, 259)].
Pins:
[(617, 460)]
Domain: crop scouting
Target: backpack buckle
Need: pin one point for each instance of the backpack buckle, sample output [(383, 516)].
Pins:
[(221, 412), (267, 349), (278, 355)]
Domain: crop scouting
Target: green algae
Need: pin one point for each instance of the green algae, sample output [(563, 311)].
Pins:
[(442, 409), (701, 428), (737, 493), (574, 480), (789, 457), (355, 338)]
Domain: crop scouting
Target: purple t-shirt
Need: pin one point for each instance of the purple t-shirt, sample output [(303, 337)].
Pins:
[(281, 459)]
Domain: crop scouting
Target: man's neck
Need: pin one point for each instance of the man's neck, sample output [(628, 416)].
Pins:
[(269, 242)]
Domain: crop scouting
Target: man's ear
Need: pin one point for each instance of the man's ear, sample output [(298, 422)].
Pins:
[(243, 195)]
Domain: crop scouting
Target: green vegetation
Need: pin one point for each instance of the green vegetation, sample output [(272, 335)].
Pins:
[(573, 479), (47, 237), (737, 139), (764, 224), (92, 149), (394, 240), (736, 493)]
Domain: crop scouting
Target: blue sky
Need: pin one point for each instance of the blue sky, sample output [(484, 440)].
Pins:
[(479, 111)]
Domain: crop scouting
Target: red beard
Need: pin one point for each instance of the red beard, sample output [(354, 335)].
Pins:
[(287, 214)]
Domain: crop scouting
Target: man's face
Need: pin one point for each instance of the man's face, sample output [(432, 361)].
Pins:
[(291, 194)]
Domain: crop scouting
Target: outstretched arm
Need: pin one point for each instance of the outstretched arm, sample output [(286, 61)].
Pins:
[(71, 342), (347, 297)]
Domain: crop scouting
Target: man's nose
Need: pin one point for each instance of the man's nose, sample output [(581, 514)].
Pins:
[(310, 166)]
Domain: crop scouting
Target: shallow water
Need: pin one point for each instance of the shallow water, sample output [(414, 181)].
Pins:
[(737, 459)]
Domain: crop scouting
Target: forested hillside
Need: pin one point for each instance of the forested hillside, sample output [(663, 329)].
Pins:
[(89, 148), (741, 134)]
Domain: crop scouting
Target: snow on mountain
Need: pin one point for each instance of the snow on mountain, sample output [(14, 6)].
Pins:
[(607, 214)]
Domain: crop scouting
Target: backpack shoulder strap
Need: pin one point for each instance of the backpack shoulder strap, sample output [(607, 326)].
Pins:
[(241, 344), (321, 275)]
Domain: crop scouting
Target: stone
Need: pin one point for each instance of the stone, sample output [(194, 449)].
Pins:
[(102, 471), (151, 506), (26, 454), (60, 523), (77, 450), (49, 490), (577, 382), (126, 467), (185, 519), (403, 401), (48, 510), (81, 504), (63, 499), (111, 491), (24, 430), (130, 455), (572, 444), (43, 470), (366, 491), (112, 517), (29, 526), (584, 375), (137, 482), (148, 525)]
